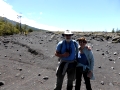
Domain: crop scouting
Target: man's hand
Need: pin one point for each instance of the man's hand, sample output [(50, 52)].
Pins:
[(88, 47), (66, 54)]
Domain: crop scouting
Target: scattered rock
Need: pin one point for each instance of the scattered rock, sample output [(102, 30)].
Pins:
[(111, 84), (22, 77), (51, 56), (115, 53), (46, 49), (103, 54), (107, 37), (39, 74), (104, 76), (20, 69), (112, 68), (5, 55), (6, 41), (97, 50), (110, 59), (18, 74), (12, 46), (107, 52), (6, 46), (32, 51), (2, 83), (116, 39), (102, 82), (50, 40), (45, 78), (99, 67)]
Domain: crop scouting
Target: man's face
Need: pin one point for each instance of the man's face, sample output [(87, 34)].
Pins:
[(67, 37)]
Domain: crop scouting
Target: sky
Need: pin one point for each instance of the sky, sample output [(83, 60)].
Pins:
[(59, 15)]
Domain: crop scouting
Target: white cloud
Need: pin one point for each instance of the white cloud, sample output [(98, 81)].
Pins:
[(4, 0), (37, 25), (6, 10)]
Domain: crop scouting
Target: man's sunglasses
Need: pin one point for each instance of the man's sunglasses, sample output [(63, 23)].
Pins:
[(68, 35)]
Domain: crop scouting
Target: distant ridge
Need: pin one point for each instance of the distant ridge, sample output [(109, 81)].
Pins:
[(14, 23)]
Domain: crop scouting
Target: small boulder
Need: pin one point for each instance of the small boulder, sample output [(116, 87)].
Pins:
[(115, 53), (116, 39), (102, 82), (103, 54), (45, 78), (22, 77), (110, 59), (97, 50), (2, 83), (111, 84), (112, 68), (39, 74)]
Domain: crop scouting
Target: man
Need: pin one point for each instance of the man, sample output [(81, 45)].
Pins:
[(66, 51)]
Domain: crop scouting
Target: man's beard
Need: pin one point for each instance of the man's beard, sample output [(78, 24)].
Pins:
[(68, 40)]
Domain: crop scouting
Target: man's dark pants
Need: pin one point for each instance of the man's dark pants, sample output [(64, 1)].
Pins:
[(79, 79), (70, 76)]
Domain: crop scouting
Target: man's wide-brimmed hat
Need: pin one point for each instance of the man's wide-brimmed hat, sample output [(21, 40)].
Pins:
[(67, 32)]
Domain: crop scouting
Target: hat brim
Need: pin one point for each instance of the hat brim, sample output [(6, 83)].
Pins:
[(67, 34)]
